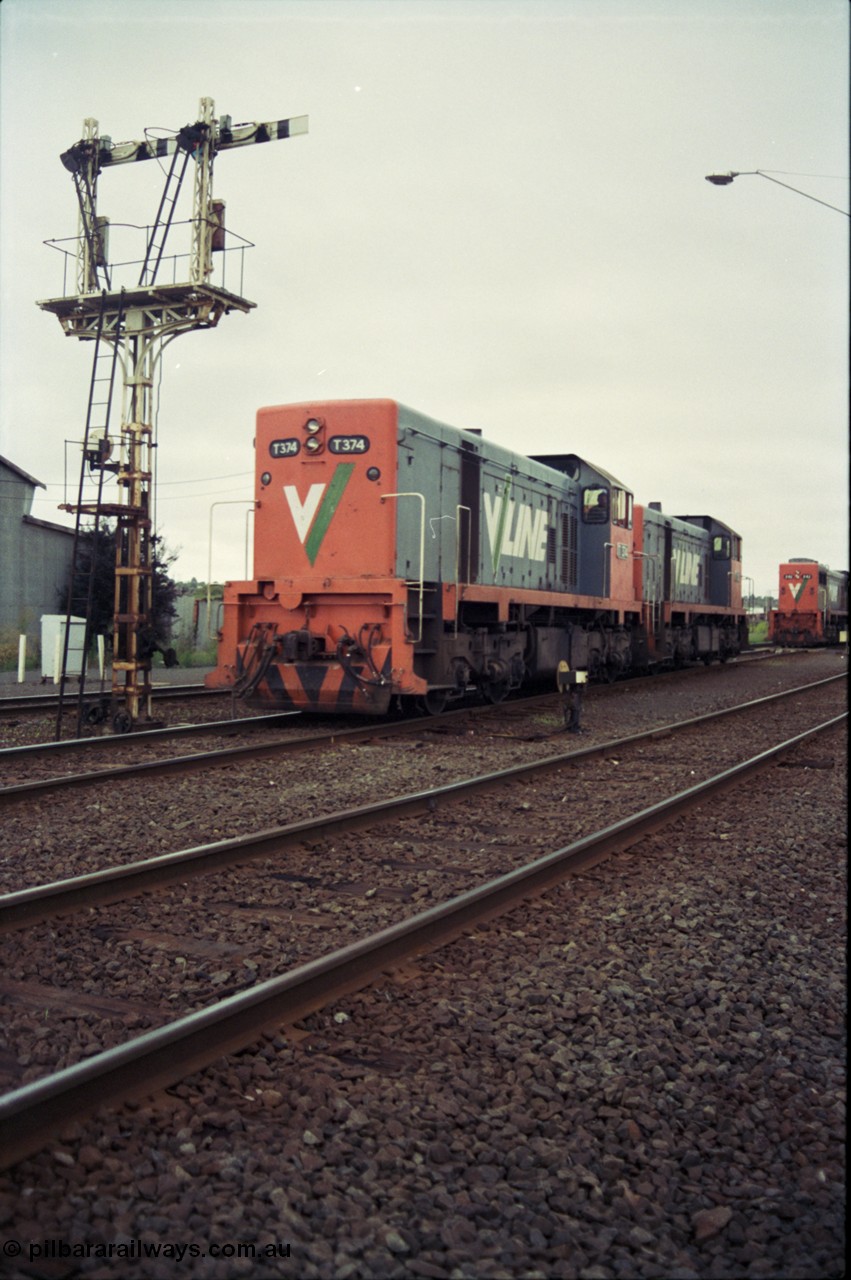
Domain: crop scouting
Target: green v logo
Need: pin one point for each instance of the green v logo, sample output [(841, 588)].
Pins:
[(313, 516)]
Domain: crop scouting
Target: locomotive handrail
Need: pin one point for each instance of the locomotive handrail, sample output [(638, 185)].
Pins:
[(654, 581), (460, 507), (656, 600), (421, 584)]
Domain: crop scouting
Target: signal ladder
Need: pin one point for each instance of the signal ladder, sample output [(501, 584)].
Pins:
[(160, 229), (96, 450)]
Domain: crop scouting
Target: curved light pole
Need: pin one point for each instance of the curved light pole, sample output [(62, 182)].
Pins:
[(724, 180), (227, 502)]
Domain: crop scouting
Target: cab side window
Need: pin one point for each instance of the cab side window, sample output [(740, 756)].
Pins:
[(622, 508), (595, 505)]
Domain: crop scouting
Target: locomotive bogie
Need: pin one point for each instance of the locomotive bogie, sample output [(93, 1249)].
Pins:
[(399, 558)]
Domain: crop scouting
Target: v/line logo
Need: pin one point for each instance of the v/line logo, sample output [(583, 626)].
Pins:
[(796, 588), (313, 516), (514, 528), (687, 566)]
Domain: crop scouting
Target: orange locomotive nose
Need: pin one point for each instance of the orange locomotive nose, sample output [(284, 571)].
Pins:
[(812, 604), (315, 628)]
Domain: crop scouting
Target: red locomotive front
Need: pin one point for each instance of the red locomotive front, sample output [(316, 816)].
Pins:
[(812, 605)]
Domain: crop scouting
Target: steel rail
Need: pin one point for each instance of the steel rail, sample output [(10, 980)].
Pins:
[(50, 701), (198, 760), (368, 729), (97, 888), (70, 746), (46, 701), (256, 751), (33, 1114)]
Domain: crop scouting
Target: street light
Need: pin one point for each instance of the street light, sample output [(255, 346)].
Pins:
[(724, 180), (227, 502)]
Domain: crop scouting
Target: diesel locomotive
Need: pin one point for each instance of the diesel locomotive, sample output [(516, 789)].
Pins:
[(812, 605), (397, 558)]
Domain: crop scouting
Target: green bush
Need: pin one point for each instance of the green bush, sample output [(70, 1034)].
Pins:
[(9, 650), (200, 656)]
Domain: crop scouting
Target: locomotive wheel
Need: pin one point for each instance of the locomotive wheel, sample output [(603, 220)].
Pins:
[(495, 690), (435, 701)]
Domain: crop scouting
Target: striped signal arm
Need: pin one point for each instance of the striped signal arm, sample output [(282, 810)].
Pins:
[(225, 137)]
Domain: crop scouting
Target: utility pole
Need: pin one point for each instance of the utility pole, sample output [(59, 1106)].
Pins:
[(137, 319)]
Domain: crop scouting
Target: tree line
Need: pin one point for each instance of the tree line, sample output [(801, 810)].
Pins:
[(95, 560)]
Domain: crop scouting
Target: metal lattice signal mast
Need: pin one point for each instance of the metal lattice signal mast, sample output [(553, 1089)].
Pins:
[(137, 321), (203, 140)]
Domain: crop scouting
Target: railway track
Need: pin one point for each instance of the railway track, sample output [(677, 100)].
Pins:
[(18, 703), (22, 757), (48, 703), (32, 1114), (69, 751), (325, 731)]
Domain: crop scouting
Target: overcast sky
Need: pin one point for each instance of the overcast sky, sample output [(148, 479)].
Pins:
[(498, 217)]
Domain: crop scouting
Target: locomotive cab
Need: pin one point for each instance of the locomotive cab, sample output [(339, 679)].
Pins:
[(606, 527)]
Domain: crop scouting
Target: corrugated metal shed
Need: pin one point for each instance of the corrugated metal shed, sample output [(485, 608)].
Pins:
[(35, 555)]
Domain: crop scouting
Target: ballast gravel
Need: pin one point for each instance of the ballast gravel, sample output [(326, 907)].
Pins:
[(639, 1075), (104, 823), (79, 984)]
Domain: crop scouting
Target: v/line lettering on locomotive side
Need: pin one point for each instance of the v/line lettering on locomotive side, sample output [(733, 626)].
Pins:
[(514, 528), (686, 568), (313, 516)]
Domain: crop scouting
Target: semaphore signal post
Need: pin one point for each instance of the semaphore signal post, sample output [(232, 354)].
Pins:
[(131, 309)]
